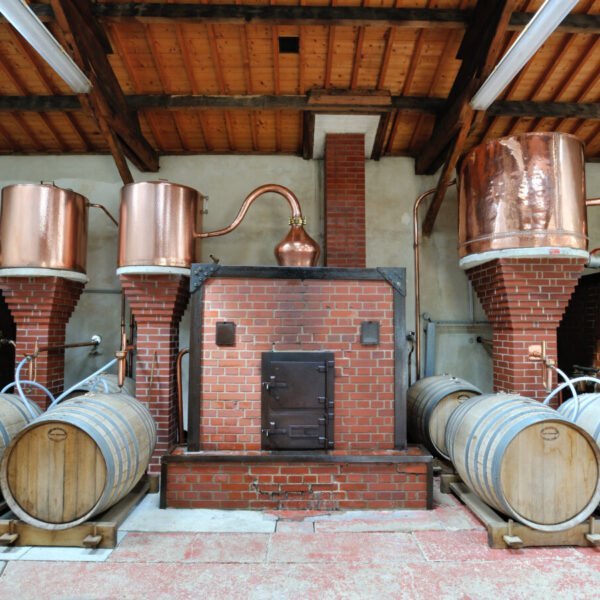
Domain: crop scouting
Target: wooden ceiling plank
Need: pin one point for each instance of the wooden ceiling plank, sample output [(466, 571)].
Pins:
[(276, 86), (20, 86), (29, 133), (216, 60), (106, 99), (156, 59), (249, 84), (50, 87), (592, 50), (189, 70), (474, 68), (133, 75), (12, 142)]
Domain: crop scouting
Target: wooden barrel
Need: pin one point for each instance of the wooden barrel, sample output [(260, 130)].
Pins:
[(588, 417), (525, 460), (77, 459), (430, 402), (14, 415)]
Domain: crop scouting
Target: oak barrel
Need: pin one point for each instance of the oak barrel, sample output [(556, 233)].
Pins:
[(14, 415), (525, 460), (77, 459), (588, 417), (430, 402)]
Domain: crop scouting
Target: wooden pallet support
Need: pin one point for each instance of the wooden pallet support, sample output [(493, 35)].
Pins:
[(101, 533), (506, 533)]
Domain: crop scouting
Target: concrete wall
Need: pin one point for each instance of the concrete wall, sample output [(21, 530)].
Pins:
[(391, 190)]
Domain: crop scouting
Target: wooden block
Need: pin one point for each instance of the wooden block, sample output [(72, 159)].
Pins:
[(8, 539)]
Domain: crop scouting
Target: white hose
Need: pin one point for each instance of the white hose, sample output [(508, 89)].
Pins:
[(572, 388), (24, 398), (562, 386), (28, 382), (107, 366)]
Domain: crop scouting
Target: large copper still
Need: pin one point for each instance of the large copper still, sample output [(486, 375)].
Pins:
[(43, 226), (160, 222), (522, 192), (157, 222)]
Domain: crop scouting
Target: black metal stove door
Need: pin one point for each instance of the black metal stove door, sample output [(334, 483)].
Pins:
[(296, 410)]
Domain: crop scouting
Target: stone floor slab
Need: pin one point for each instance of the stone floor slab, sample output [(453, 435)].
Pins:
[(372, 548), (184, 548), (473, 546), (148, 517)]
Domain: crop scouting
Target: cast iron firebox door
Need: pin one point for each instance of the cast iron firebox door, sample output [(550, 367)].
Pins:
[(297, 400)]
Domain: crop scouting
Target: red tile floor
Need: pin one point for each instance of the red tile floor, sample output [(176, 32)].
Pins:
[(181, 554)]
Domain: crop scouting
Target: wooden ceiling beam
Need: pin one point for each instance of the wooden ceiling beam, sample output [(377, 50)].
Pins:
[(313, 15), (106, 101), (500, 108), (479, 51)]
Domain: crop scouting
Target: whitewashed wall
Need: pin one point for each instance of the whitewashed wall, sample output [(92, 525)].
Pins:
[(391, 187)]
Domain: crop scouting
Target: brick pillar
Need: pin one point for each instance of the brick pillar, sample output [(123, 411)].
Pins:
[(41, 308), (524, 299), (158, 303), (345, 237)]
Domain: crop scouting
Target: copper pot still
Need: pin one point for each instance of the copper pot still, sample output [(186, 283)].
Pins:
[(157, 223), (524, 191), (43, 226)]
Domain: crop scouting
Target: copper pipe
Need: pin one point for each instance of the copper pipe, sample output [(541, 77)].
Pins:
[(592, 202), (297, 249), (180, 432), (105, 210), (121, 356), (417, 277), (259, 191)]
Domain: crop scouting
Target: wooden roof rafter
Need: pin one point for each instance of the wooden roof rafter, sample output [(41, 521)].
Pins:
[(105, 102), (479, 52)]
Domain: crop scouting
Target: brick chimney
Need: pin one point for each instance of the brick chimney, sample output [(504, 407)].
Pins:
[(345, 235)]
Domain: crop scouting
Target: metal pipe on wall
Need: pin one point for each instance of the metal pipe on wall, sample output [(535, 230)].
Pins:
[(417, 277)]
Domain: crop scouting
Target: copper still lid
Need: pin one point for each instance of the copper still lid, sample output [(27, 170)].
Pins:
[(523, 192), (157, 224), (43, 226)]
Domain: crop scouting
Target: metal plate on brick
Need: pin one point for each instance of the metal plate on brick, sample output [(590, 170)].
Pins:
[(297, 400)]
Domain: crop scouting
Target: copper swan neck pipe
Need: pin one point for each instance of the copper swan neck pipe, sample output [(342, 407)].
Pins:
[(296, 217)]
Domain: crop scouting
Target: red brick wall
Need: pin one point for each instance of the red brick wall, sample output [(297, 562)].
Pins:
[(41, 308), (158, 303), (297, 315), (345, 237), (524, 300), (297, 486)]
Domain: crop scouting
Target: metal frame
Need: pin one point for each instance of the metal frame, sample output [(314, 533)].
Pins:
[(201, 273)]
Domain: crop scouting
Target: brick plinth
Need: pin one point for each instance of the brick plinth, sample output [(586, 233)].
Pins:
[(41, 308), (524, 299), (299, 485), (345, 237), (297, 315), (158, 303)]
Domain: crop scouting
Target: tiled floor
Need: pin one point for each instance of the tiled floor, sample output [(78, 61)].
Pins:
[(180, 554)]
